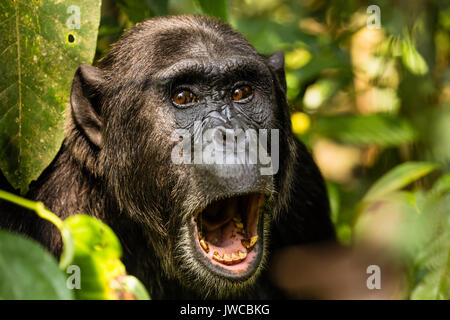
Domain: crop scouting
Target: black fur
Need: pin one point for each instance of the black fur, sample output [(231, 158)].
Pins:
[(115, 164)]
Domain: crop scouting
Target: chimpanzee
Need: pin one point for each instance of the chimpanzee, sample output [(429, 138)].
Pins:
[(188, 229)]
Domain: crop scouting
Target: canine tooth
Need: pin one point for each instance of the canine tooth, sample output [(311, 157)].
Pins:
[(249, 243), (242, 255), (253, 240), (216, 256), (204, 245)]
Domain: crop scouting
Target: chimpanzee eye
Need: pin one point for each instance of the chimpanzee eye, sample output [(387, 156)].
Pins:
[(241, 92), (183, 96)]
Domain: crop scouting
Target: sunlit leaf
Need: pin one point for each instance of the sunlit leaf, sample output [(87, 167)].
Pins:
[(397, 178), (97, 252), (42, 44), (297, 58), (93, 247), (333, 195), (412, 59), (319, 92), (344, 234), (377, 129)]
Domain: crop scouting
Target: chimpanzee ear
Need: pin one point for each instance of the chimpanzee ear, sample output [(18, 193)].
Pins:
[(276, 63), (85, 100)]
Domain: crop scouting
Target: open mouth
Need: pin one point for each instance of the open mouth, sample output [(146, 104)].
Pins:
[(229, 234)]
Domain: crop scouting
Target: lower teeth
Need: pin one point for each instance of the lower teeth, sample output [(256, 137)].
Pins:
[(229, 260), (235, 257)]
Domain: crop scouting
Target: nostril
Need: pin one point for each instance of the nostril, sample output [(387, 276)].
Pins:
[(224, 136), (220, 135)]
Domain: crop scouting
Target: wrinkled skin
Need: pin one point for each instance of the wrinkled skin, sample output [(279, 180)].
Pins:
[(115, 160)]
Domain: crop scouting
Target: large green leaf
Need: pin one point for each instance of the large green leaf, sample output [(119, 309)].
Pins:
[(42, 44), (397, 178), (379, 129), (27, 271)]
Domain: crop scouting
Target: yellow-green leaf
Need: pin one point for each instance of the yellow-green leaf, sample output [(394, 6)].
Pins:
[(397, 178), (42, 44)]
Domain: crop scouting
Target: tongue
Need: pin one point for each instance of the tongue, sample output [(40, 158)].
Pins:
[(227, 238)]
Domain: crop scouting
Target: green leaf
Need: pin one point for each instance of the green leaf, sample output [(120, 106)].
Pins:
[(442, 185), (412, 59), (41, 46), (397, 178), (435, 285), (376, 129), (27, 271), (215, 8), (94, 248), (93, 237), (97, 252), (335, 201), (433, 261)]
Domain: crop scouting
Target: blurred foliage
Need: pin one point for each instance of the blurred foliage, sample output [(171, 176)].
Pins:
[(30, 272)]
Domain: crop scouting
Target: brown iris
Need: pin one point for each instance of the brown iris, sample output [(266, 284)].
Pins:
[(183, 97), (241, 93)]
